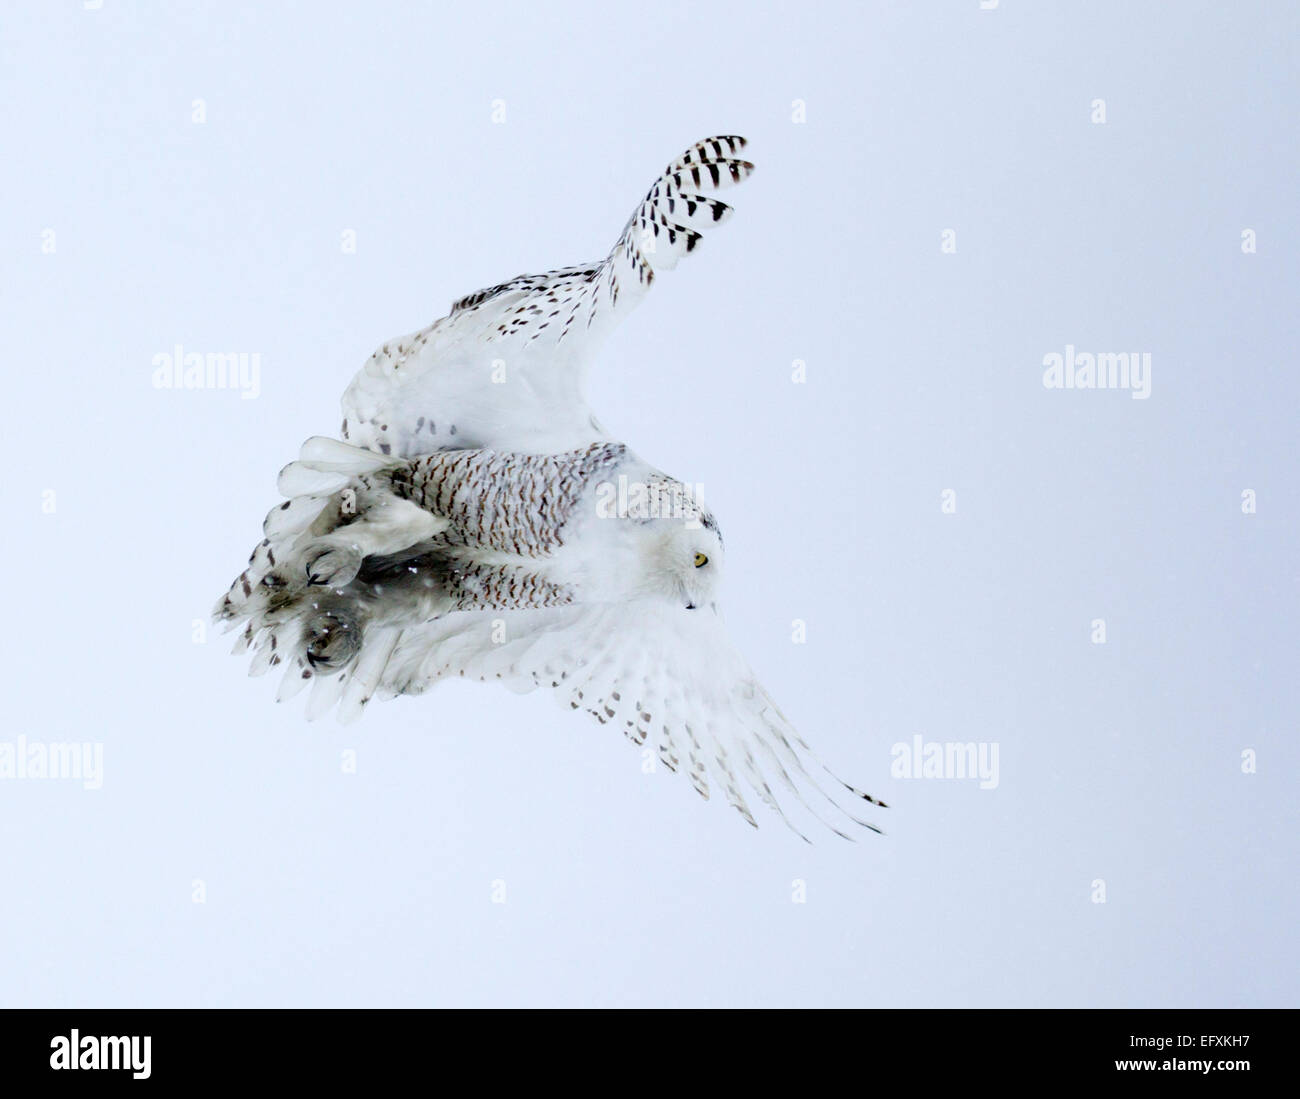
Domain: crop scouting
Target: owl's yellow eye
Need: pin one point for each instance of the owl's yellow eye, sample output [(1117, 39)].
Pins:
[(700, 560)]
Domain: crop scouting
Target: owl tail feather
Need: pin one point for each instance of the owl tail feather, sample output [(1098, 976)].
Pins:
[(294, 601)]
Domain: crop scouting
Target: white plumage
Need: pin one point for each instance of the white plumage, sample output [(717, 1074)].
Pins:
[(476, 532), (395, 574), (507, 367)]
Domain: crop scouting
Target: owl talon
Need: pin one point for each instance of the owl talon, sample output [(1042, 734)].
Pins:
[(330, 641), (334, 567)]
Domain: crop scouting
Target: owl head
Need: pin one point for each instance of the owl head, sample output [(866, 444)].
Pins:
[(684, 563)]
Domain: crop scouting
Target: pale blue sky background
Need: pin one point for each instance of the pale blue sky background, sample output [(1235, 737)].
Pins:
[(1119, 762)]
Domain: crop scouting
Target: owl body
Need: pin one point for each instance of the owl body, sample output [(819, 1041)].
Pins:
[(387, 542)]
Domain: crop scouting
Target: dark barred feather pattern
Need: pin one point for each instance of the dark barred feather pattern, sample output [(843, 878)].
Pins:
[(514, 503), (427, 391)]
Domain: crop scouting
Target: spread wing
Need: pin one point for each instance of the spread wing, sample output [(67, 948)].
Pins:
[(359, 592), (663, 676), (505, 368)]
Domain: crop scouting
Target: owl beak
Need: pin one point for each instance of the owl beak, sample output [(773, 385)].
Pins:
[(690, 606)]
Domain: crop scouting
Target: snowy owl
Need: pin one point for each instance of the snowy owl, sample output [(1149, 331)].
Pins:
[(586, 572), (478, 522), (507, 367)]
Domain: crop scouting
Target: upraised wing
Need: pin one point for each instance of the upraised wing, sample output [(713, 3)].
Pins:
[(505, 368)]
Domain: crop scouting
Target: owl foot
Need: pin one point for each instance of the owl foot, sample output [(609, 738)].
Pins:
[(330, 641), (335, 567)]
